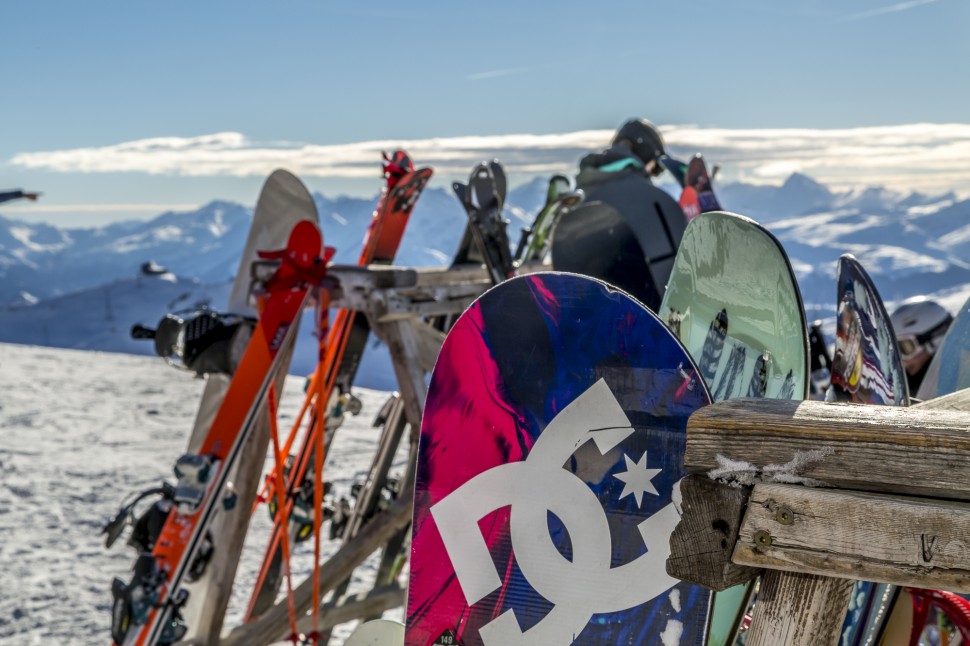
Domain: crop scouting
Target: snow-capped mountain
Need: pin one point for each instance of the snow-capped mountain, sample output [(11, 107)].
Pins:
[(82, 288)]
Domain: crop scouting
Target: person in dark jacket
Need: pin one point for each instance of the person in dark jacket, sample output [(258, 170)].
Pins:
[(635, 151), (623, 210)]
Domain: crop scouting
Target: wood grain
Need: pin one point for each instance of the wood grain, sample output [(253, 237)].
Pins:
[(872, 537), (799, 610), (914, 450), (702, 544)]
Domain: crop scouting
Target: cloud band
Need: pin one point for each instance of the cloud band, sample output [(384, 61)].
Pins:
[(928, 157)]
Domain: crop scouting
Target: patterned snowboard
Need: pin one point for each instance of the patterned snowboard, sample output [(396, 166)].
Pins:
[(732, 300), (949, 370), (745, 328), (866, 368), (557, 395)]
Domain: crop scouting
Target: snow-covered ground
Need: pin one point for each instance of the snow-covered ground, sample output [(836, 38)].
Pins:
[(78, 432)]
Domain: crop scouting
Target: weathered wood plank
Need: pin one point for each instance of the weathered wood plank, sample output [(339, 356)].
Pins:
[(702, 544), (450, 301), (274, 624), (355, 606), (958, 401), (873, 448), (428, 342), (798, 610), (872, 537), (404, 349), (405, 292)]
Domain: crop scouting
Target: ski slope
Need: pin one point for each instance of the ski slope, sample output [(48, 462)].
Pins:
[(81, 430)]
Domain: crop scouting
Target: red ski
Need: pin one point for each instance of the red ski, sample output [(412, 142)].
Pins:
[(340, 355)]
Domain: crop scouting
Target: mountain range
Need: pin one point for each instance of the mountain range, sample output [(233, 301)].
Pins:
[(83, 288)]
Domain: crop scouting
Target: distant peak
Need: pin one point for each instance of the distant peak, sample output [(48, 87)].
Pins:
[(798, 180)]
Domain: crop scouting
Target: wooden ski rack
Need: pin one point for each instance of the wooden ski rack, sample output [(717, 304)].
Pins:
[(813, 496), (408, 309)]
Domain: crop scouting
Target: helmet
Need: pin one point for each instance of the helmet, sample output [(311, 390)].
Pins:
[(919, 321), (642, 137)]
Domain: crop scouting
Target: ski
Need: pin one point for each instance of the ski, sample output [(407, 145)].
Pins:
[(534, 242), (211, 343), (150, 603), (342, 350)]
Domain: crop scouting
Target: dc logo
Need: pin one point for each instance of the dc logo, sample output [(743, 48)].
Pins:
[(539, 485)]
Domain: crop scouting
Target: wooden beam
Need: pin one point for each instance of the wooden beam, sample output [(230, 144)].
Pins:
[(702, 544), (428, 342), (355, 606), (869, 448), (274, 624), (871, 537), (799, 610), (958, 401), (404, 349)]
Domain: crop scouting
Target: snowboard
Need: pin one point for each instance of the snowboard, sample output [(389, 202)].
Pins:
[(676, 168), (734, 303), (345, 345), (866, 369), (866, 366), (151, 603), (585, 237), (377, 632), (745, 328), (535, 242), (558, 395), (697, 191), (283, 202), (594, 240), (949, 370), (483, 199), (698, 196)]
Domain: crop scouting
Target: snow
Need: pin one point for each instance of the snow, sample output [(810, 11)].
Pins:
[(739, 473), (672, 633), (23, 236), (81, 430)]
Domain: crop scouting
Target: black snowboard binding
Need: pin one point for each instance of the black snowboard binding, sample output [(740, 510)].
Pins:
[(202, 341), (146, 528), (301, 513)]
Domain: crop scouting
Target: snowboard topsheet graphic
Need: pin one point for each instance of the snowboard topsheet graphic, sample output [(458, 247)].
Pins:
[(548, 473)]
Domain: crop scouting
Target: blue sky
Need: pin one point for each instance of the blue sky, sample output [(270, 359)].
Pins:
[(292, 79)]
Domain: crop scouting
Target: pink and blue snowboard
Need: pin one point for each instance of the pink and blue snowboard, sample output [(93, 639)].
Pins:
[(548, 473)]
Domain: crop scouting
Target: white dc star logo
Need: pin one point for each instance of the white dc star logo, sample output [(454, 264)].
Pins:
[(537, 486), (636, 479)]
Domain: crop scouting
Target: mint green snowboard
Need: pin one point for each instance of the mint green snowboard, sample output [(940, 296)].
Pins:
[(732, 300)]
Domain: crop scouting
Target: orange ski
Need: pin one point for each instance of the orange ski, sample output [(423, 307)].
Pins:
[(154, 594), (339, 357)]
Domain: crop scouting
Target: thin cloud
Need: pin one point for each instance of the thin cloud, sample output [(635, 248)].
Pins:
[(902, 6), (927, 157), (478, 76)]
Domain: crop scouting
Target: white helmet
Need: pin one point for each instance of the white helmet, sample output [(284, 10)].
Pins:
[(918, 322)]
